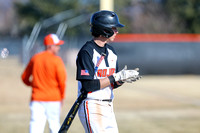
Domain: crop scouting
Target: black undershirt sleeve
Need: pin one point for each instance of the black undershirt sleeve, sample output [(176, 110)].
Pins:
[(90, 85)]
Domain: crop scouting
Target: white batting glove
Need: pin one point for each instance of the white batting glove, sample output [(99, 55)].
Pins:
[(125, 74), (131, 80)]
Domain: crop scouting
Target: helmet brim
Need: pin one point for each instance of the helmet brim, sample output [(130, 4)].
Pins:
[(120, 25)]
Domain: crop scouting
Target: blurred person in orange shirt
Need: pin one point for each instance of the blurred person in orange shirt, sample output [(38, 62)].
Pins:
[(47, 76)]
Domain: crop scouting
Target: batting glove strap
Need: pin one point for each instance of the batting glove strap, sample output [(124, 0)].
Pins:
[(111, 78)]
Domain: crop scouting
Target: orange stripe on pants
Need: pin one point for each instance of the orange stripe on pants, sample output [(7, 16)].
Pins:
[(88, 118)]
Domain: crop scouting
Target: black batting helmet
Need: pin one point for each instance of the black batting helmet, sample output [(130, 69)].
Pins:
[(102, 23)]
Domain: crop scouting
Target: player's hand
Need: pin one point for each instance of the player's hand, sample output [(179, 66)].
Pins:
[(131, 80), (126, 75)]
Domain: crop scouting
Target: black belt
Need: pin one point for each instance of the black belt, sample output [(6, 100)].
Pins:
[(103, 100)]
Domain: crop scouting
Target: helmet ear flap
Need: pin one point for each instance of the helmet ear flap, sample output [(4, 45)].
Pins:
[(104, 31), (108, 32), (95, 31)]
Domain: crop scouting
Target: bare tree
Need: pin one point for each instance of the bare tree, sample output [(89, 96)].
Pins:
[(149, 17)]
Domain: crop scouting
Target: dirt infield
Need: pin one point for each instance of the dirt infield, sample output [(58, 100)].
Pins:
[(154, 104)]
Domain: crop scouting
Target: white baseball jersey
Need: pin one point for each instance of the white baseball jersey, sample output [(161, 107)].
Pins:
[(87, 60)]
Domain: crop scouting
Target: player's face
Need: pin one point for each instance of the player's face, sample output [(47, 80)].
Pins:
[(55, 49), (112, 38)]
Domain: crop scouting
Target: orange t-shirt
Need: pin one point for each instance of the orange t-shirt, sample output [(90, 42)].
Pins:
[(47, 75)]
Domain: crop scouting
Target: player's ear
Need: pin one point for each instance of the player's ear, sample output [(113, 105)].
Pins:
[(50, 46)]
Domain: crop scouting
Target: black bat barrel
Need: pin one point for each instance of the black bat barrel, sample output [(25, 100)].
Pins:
[(72, 113)]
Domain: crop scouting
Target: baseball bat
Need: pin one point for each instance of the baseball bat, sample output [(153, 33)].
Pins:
[(72, 113)]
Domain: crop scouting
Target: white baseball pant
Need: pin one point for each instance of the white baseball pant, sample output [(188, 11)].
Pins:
[(42, 111), (97, 117)]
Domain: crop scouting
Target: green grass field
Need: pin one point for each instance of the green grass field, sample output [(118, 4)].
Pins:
[(154, 104)]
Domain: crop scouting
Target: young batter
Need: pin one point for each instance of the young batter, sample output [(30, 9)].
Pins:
[(98, 80)]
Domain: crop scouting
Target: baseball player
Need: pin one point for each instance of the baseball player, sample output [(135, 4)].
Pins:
[(98, 75), (46, 74)]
